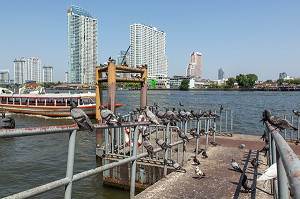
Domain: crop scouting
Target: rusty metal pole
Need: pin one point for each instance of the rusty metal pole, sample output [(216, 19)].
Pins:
[(143, 102), (111, 83), (99, 132)]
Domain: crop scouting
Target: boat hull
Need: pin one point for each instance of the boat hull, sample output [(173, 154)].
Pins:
[(49, 111)]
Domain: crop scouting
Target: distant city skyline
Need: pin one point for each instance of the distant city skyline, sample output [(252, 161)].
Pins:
[(260, 37)]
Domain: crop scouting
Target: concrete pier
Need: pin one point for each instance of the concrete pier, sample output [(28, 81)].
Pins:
[(220, 180)]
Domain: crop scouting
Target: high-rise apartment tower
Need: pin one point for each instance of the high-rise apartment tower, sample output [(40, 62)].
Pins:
[(194, 68), (47, 74), (148, 46), (82, 46)]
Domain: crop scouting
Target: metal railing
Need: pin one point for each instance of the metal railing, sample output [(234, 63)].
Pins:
[(115, 144), (288, 165)]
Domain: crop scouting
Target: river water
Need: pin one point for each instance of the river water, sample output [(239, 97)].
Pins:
[(32, 161)]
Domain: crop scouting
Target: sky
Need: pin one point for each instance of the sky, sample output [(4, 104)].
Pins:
[(242, 37)]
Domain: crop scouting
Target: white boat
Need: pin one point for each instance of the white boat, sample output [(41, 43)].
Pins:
[(51, 105)]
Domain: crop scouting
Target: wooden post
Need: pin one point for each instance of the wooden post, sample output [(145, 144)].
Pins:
[(111, 83), (143, 99), (99, 132)]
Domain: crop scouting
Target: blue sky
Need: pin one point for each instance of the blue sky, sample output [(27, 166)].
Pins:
[(242, 37)]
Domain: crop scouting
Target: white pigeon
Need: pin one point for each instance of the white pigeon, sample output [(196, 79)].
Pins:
[(236, 166), (269, 174), (198, 172)]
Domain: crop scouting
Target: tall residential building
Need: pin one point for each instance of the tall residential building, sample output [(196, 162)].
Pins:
[(19, 70), (82, 46), (148, 46), (33, 69), (220, 74), (47, 74), (194, 68), (66, 77), (4, 77)]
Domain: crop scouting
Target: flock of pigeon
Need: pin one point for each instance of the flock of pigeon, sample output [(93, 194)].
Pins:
[(173, 116)]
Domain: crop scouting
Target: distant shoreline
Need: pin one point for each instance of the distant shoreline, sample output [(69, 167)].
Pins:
[(194, 89)]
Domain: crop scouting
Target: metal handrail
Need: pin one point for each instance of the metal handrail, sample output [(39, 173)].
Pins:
[(288, 163), (72, 130)]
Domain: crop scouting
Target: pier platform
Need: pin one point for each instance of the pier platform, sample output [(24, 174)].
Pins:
[(221, 180)]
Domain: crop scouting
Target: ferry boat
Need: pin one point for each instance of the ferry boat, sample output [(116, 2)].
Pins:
[(51, 105)]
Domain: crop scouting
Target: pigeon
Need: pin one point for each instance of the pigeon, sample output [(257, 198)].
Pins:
[(235, 166), (148, 146), (221, 109), (151, 115), (193, 132), (204, 155), (108, 115), (196, 160), (269, 174), (242, 146), (215, 144), (265, 150), (162, 144), (82, 120), (199, 173), (182, 135), (245, 184), (297, 113), (277, 121), (177, 167), (254, 163)]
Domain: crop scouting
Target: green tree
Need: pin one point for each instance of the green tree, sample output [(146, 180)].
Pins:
[(246, 81), (230, 82), (184, 84), (251, 78)]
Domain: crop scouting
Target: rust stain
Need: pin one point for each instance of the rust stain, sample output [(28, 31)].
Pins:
[(296, 174)]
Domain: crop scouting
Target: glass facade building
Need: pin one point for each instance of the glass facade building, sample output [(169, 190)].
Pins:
[(82, 46)]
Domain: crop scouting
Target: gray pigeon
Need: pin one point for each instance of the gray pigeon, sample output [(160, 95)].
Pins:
[(196, 160), (235, 166), (254, 162), (148, 146), (151, 116), (245, 184), (162, 144), (182, 135), (177, 167), (204, 154), (193, 132), (108, 115), (199, 173), (82, 120), (277, 121)]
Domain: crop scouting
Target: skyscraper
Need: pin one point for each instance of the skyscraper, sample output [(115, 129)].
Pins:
[(82, 46), (47, 74), (148, 46), (194, 68), (220, 74), (33, 69), (19, 70)]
